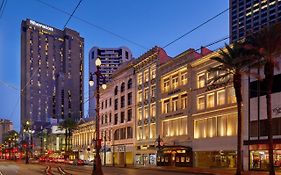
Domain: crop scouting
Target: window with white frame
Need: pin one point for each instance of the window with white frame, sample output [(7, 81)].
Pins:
[(166, 84), (153, 91), (146, 94), (175, 104), (221, 97), (184, 78), (184, 101), (210, 100), (153, 110), (140, 96), (146, 76), (200, 103), (166, 106), (139, 113), (153, 72), (139, 78), (175, 81), (146, 112), (201, 80)]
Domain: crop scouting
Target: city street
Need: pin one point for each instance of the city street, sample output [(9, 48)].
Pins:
[(19, 168)]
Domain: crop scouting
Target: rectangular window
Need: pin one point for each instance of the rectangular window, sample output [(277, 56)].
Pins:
[(200, 103), (129, 100), (183, 78), (201, 80), (129, 132), (153, 110), (175, 127), (122, 101), (146, 94), (139, 78), (140, 96), (115, 119), (146, 76), (184, 101), (146, 132), (153, 72), (146, 112), (231, 98), (152, 131), (140, 114), (221, 97), (166, 84), (166, 106), (129, 115), (175, 81), (122, 117), (115, 104), (139, 133), (153, 91), (175, 104), (210, 100)]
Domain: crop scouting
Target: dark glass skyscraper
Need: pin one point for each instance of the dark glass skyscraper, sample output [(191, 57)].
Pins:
[(51, 73), (251, 15)]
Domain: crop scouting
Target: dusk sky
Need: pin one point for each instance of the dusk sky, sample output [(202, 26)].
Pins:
[(146, 22)]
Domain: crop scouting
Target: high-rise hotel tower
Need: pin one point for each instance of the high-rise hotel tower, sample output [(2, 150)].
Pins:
[(51, 73)]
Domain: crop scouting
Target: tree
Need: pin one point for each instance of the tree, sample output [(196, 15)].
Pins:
[(11, 137), (268, 43), (69, 125), (234, 61)]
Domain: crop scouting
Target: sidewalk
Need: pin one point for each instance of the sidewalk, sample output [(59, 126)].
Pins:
[(206, 171)]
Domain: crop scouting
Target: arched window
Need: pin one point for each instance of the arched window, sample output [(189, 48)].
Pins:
[(123, 87), (130, 83), (116, 90), (116, 135)]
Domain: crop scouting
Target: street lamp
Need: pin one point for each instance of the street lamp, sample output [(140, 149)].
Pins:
[(28, 131), (97, 170), (159, 143)]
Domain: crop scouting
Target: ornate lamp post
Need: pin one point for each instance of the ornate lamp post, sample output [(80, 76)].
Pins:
[(97, 170), (29, 132)]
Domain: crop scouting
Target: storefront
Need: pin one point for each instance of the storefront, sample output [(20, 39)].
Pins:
[(122, 155), (215, 159), (175, 156), (259, 158), (145, 156)]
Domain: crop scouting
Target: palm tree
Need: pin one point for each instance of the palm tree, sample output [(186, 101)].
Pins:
[(234, 61), (69, 125), (268, 43)]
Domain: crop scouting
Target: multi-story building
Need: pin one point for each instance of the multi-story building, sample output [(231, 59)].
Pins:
[(251, 15), (5, 126), (82, 139), (117, 117), (214, 114), (174, 117), (255, 121), (110, 58), (51, 73), (147, 75)]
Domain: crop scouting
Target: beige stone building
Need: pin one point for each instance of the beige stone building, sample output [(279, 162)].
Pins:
[(148, 78), (82, 139)]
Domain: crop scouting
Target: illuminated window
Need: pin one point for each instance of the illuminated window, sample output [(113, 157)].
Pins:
[(153, 110), (175, 104), (146, 94), (153, 72), (210, 76), (139, 78), (152, 131), (231, 98), (140, 96), (221, 97), (210, 100), (139, 133), (146, 76), (153, 91), (146, 111), (183, 78), (166, 84), (140, 114), (146, 132), (175, 127), (200, 103), (175, 81), (184, 101), (166, 106), (201, 80)]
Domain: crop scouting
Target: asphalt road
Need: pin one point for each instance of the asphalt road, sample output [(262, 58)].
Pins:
[(19, 168)]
